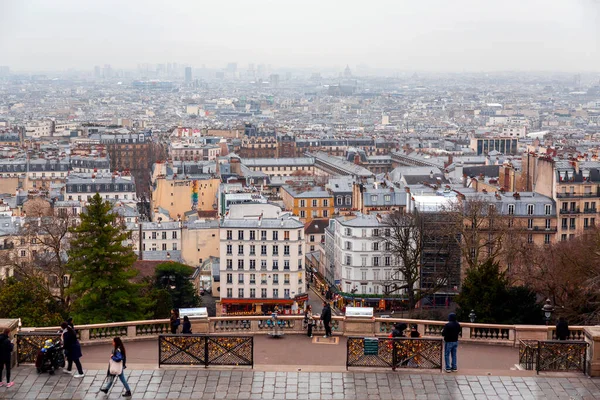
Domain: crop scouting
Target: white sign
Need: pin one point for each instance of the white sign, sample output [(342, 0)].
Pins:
[(359, 312), (199, 312)]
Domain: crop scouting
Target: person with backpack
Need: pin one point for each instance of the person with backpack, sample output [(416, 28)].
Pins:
[(118, 358), (6, 349), (450, 334)]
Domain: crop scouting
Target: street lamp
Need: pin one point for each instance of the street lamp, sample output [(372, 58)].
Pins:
[(472, 316), (548, 308)]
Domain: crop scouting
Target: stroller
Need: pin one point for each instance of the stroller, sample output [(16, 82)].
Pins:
[(50, 357)]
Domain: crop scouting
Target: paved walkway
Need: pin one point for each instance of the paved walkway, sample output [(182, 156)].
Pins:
[(299, 351), (248, 384)]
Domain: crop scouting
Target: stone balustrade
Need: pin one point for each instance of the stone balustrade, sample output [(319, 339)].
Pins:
[(294, 324)]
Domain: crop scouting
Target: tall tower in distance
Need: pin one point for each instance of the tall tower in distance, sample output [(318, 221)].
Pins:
[(188, 74)]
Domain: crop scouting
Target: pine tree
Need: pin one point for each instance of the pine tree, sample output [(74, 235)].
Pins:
[(101, 268)]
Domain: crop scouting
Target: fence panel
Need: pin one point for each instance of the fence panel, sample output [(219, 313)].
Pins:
[(561, 355), (394, 352), (528, 350), (205, 350), (30, 343)]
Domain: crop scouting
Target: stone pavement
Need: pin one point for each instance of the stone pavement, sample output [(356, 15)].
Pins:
[(247, 384)]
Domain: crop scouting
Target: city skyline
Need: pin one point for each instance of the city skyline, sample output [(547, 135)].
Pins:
[(465, 36)]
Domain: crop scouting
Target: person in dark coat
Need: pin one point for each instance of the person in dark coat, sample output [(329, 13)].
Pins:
[(414, 332), (450, 334), (399, 329), (310, 322), (562, 329), (187, 326), (326, 318), (6, 348), (72, 349), (174, 321)]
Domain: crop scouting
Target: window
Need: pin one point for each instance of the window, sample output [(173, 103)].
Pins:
[(23, 253), (263, 279), (388, 246), (563, 237), (174, 235), (572, 223), (240, 278), (252, 235), (548, 223), (252, 250), (530, 209), (376, 261), (339, 200), (364, 233), (229, 235), (315, 203), (240, 264), (586, 223), (375, 274), (286, 293), (388, 232), (564, 223), (263, 293), (286, 235), (240, 250), (363, 274), (511, 209), (240, 235), (300, 250), (263, 250), (387, 261), (375, 232), (363, 261), (229, 249), (530, 238), (299, 263), (311, 238), (286, 265), (387, 198), (325, 203), (348, 259), (302, 203), (275, 265), (164, 247), (263, 264), (286, 250), (348, 245), (229, 292), (229, 264), (275, 293), (348, 200), (325, 213), (241, 293), (275, 250), (530, 223), (348, 232), (164, 235), (375, 246), (302, 214), (275, 278), (263, 235), (252, 293), (229, 278), (286, 279), (154, 235)]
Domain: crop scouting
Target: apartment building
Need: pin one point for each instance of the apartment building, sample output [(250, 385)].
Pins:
[(84, 187), (307, 202), (261, 260), (356, 258)]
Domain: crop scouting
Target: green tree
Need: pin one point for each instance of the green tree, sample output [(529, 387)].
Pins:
[(31, 301), (174, 278), (487, 291), (101, 268)]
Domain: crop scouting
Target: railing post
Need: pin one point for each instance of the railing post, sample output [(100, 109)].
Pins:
[(131, 331), (394, 354), (159, 350), (537, 364), (205, 351), (466, 332), (84, 335)]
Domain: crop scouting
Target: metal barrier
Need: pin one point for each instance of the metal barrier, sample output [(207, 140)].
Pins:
[(553, 355), (205, 350), (396, 353), (30, 343)]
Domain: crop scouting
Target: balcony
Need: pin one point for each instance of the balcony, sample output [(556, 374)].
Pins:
[(590, 210), (570, 211), (577, 195)]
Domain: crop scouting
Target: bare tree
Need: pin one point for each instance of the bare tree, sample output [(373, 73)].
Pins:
[(420, 253)]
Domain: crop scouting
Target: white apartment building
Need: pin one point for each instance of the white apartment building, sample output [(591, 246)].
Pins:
[(356, 256), (156, 236), (261, 263)]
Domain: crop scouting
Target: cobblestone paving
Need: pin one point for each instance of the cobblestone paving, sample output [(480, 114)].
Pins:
[(247, 384)]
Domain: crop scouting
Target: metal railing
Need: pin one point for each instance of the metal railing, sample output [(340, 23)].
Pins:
[(29, 344), (553, 355), (205, 350), (420, 353)]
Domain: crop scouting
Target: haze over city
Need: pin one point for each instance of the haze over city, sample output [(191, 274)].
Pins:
[(432, 35)]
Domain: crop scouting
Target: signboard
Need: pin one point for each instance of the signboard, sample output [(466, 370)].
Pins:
[(199, 312), (371, 346), (366, 312)]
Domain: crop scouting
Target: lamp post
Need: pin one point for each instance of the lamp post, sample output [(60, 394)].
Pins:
[(548, 309), (472, 316)]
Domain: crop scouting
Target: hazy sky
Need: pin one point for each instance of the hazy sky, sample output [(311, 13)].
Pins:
[(439, 35)]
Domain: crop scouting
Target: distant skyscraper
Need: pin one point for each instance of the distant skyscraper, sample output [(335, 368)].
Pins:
[(188, 74), (347, 72)]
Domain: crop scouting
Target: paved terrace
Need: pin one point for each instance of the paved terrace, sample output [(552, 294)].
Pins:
[(199, 383)]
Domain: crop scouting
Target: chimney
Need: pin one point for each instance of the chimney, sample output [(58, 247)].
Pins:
[(446, 174)]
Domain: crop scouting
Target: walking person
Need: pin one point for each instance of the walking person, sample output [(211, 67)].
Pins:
[(117, 355), (72, 349), (6, 348), (562, 329), (450, 334), (187, 326), (326, 318), (310, 322), (174, 321)]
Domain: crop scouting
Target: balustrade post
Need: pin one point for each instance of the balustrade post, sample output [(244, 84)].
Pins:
[(592, 337), (511, 335), (84, 334), (466, 332), (131, 331)]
